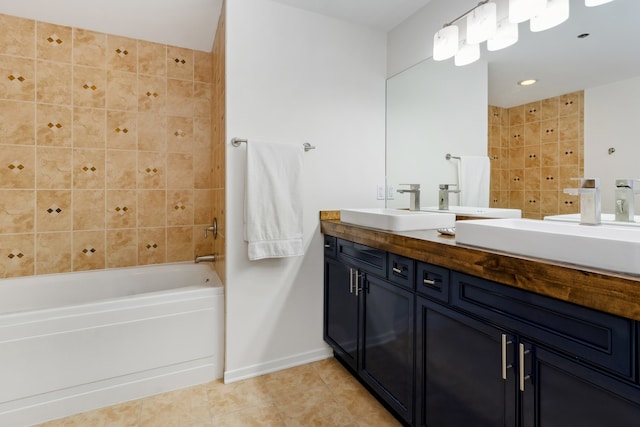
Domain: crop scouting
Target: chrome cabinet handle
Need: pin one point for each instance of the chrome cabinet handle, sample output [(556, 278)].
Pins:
[(522, 352), (428, 282), (351, 280), (358, 276), (505, 343), (397, 270), (327, 246)]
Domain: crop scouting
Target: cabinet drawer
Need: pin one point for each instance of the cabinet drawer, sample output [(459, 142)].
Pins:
[(401, 271), (584, 334), (363, 257), (330, 246), (432, 281)]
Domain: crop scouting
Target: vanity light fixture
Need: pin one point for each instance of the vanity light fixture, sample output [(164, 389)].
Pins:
[(481, 23), (556, 12), (445, 43), (527, 82), (467, 53), (506, 35), (591, 3), (523, 10)]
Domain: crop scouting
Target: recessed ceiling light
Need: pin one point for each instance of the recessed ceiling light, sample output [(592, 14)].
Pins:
[(583, 35), (527, 82)]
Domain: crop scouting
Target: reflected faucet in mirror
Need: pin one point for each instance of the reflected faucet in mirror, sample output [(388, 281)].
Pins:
[(625, 195), (414, 191), (589, 192), (443, 198)]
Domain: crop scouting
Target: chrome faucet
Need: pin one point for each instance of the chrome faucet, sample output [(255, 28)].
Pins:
[(625, 195), (443, 195), (589, 192), (414, 191), (206, 258)]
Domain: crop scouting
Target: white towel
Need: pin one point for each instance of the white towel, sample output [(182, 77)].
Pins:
[(273, 200), (473, 181)]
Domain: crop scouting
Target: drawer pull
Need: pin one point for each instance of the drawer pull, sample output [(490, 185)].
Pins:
[(523, 377), (397, 270), (327, 246), (429, 282), (505, 343)]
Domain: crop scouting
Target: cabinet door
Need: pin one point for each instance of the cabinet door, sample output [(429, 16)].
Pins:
[(560, 392), (341, 310), (387, 343), (464, 369)]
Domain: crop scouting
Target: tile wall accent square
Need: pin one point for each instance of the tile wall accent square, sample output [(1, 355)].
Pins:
[(532, 156), (121, 209), (152, 58), (88, 209), (122, 53), (202, 99), (152, 94), (89, 128), (180, 98), (54, 253), (89, 48), (202, 66), (54, 42), (549, 131), (516, 179), (151, 246), (568, 204), (180, 244), (569, 153), (17, 254), (17, 78), (89, 87), (121, 169), (549, 178), (179, 63), (152, 132), (122, 248), (569, 104), (88, 168), (203, 206), (17, 166), (122, 89), (180, 207), (88, 250), (54, 125), (17, 211), (17, 36), (532, 112), (122, 130), (152, 168), (152, 208), (180, 173), (17, 122), (53, 210), (54, 83), (54, 168), (179, 134)]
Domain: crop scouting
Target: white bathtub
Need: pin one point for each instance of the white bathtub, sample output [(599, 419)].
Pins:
[(78, 341)]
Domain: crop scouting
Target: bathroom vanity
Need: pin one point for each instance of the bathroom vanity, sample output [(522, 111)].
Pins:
[(448, 335)]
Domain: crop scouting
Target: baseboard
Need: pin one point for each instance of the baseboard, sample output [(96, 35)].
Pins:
[(277, 365)]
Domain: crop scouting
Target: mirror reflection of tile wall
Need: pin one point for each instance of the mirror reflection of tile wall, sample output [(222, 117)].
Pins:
[(535, 150)]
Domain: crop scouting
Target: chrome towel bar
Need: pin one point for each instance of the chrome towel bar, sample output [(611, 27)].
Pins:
[(237, 141), (449, 157)]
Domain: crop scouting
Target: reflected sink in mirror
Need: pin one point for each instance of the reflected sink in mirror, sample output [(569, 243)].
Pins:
[(606, 219), (397, 219), (473, 211), (608, 248)]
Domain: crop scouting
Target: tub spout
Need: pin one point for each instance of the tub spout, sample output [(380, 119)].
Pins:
[(206, 258)]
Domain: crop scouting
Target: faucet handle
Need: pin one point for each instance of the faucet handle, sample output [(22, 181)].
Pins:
[(627, 183)]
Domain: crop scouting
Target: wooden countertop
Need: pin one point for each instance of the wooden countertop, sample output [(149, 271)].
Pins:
[(602, 290)]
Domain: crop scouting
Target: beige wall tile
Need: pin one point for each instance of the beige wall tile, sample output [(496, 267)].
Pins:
[(202, 135), (179, 134), (516, 179), (151, 170), (568, 128), (180, 207), (122, 53), (121, 169), (180, 244), (53, 210), (532, 112), (88, 250), (180, 171), (54, 168), (89, 48), (202, 206), (152, 132), (549, 179), (549, 108), (569, 104), (179, 63), (122, 90), (54, 125), (17, 78), (202, 172), (54, 253), (152, 94), (532, 133), (89, 87), (17, 122), (89, 128), (54, 83), (151, 246), (516, 115), (121, 209), (516, 136), (180, 98), (17, 211), (122, 130), (122, 248), (152, 208), (568, 204), (54, 42), (549, 131), (17, 166), (549, 203), (569, 153), (532, 156), (88, 209), (88, 168), (17, 36), (202, 66), (17, 254), (532, 179), (152, 58)]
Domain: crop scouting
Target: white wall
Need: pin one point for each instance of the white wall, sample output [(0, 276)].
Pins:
[(295, 76), (610, 115)]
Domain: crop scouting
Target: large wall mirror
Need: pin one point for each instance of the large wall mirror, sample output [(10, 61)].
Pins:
[(579, 119)]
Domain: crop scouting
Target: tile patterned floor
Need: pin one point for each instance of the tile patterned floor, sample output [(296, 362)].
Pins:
[(318, 394)]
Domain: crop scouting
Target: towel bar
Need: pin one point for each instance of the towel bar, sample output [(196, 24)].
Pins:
[(237, 141), (449, 157)]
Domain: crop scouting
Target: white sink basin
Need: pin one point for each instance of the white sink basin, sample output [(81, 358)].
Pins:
[(606, 219), (609, 248), (478, 212), (397, 219)]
